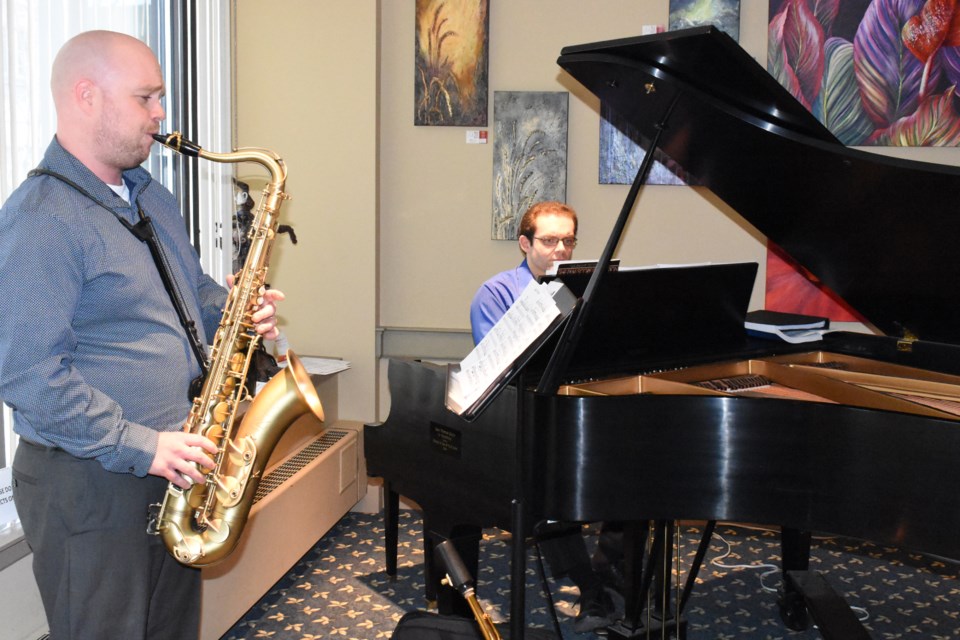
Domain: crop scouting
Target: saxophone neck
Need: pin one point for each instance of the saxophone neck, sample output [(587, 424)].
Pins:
[(268, 159)]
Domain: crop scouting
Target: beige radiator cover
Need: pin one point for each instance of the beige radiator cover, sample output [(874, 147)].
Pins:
[(287, 522)]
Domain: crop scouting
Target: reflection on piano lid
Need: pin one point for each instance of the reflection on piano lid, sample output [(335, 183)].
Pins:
[(879, 231)]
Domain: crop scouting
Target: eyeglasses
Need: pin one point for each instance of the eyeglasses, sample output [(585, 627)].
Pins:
[(550, 243)]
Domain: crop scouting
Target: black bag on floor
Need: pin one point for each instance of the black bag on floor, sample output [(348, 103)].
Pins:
[(423, 625)]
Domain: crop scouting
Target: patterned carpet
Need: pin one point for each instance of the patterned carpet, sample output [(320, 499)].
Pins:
[(340, 588)]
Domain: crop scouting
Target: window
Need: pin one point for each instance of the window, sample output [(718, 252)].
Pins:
[(193, 46)]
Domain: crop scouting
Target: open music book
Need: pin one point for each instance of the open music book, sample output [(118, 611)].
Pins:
[(516, 335)]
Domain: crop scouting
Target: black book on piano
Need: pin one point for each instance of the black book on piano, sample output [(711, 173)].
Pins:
[(789, 327)]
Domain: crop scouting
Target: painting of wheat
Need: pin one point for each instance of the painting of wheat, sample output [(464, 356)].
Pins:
[(452, 39), (529, 154)]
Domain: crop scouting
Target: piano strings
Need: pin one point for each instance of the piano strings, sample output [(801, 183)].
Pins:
[(757, 385)]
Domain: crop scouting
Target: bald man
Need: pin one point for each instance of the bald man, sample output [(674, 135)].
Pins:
[(94, 360)]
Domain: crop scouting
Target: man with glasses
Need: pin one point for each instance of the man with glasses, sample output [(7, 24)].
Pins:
[(548, 233)]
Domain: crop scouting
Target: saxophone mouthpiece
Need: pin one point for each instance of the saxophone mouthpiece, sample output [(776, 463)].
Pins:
[(178, 143)]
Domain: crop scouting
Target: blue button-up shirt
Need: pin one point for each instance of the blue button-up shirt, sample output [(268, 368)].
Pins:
[(495, 296), (93, 358)]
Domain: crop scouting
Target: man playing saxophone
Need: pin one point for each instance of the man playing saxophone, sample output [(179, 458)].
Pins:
[(98, 379)]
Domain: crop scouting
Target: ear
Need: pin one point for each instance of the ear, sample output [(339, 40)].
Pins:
[(524, 244), (85, 94)]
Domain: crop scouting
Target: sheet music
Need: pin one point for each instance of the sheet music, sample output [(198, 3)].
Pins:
[(323, 366), (528, 317)]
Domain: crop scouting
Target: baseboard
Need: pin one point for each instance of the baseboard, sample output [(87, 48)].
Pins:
[(304, 494)]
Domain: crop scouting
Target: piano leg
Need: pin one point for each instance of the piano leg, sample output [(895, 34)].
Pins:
[(702, 549), (795, 550), (634, 544), (466, 540), (391, 525)]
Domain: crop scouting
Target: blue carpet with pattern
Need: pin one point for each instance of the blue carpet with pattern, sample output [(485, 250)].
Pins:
[(340, 588)]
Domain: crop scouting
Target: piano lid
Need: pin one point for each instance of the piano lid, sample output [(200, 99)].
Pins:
[(881, 232)]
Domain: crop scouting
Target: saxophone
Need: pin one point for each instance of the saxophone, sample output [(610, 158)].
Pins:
[(202, 525)]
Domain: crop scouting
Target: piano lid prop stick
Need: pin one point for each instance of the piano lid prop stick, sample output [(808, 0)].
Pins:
[(560, 358)]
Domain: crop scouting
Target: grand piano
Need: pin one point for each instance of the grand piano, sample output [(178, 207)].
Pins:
[(644, 407)]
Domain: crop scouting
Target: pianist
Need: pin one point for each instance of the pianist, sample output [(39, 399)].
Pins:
[(548, 232)]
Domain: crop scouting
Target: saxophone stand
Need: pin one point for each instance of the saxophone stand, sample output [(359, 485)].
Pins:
[(460, 579), (423, 625)]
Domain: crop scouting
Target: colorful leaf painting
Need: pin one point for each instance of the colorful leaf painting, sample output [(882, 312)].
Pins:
[(887, 66)]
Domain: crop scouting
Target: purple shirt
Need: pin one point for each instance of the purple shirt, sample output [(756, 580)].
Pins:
[(495, 296)]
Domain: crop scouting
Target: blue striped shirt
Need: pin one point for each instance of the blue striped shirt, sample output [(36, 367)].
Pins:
[(93, 358)]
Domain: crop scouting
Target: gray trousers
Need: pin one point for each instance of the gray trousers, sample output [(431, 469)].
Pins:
[(100, 575)]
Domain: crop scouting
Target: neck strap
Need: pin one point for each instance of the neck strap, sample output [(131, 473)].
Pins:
[(143, 230)]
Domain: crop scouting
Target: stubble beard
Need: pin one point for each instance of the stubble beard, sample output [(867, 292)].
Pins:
[(118, 147)]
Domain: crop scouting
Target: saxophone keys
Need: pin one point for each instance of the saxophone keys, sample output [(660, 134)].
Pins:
[(229, 490), (217, 531), (241, 454), (220, 412)]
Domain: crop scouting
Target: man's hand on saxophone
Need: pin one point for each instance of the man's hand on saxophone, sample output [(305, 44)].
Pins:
[(177, 457), (265, 313), (265, 316)]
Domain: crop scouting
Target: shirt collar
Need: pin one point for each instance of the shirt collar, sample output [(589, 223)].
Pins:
[(65, 163)]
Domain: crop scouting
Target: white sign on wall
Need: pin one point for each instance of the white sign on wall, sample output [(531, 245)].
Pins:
[(8, 511)]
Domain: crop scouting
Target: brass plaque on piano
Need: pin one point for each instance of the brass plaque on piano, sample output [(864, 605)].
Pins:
[(444, 439)]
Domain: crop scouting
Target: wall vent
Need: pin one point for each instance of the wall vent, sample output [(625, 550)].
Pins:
[(305, 456)]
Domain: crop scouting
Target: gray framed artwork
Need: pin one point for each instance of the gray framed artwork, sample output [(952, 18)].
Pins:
[(529, 154), (620, 151)]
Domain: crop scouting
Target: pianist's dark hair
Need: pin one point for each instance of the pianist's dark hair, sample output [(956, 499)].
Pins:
[(528, 223)]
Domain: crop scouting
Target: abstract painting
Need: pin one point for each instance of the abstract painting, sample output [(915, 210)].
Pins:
[(452, 52), (529, 155), (621, 154), (874, 72), (620, 151), (724, 14), (792, 289)]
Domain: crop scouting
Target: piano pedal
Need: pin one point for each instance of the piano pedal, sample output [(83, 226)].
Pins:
[(793, 610), (827, 608)]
